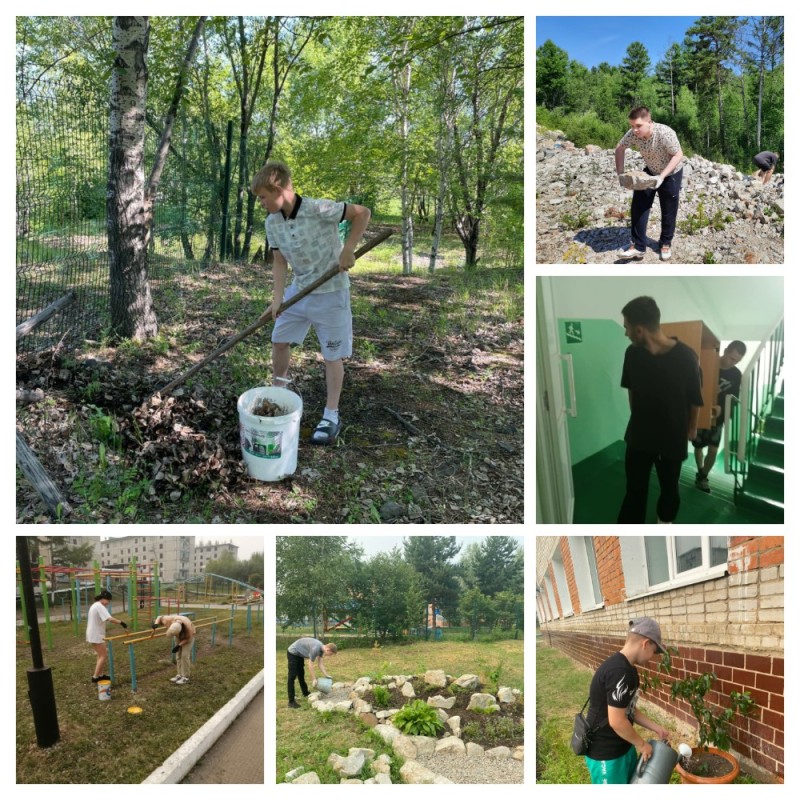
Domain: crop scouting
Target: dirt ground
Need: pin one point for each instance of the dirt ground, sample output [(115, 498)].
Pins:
[(432, 410)]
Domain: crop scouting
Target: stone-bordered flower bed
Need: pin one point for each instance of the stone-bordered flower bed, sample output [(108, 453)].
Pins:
[(475, 725)]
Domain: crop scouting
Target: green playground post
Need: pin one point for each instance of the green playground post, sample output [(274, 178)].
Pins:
[(132, 658), (249, 619), (45, 602), (230, 627), (97, 587), (134, 603), (157, 582), (22, 604), (213, 633), (110, 648), (74, 599)]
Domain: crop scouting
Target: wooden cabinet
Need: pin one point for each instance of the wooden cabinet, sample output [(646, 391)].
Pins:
[(699, 337)]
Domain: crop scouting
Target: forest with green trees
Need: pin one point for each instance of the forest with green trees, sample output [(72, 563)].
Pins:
[(325, 579), (720, 89)]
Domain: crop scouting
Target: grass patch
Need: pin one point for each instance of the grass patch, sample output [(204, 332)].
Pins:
[(141, 743), (305, 737)]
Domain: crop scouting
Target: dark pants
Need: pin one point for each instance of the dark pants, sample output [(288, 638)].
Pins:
[(296, 670), (668, 197), (638, 466)]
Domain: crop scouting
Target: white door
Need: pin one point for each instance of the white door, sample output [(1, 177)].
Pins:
[(555, 496)]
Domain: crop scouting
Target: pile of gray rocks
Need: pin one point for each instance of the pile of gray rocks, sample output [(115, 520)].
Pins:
[(348, 697), (581, 184)]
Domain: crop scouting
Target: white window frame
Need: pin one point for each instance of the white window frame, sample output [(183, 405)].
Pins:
[(583, 569), (633, 548), (551, 597)]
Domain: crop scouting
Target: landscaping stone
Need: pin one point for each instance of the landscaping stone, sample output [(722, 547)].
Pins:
[(498, 752), (368, 754), (435, 677), (443, 715), (338, 685), (314, 696), (413, 772), (450, 744), (387, 732), (382, 778), (295, 773), (483, 702), (518, 753), (346, 767), (505, 695), (442, 702), (362, 681), (369, 719), (404, 747), (454, 723), (408, 690), (636, 180), (323, 705), (386, 713), (382, 764), (361, 707), (468, 681), (474, 750), (350, 780), (426, 745), (309, 777), (399, 681), (391, 685), (345, 705)]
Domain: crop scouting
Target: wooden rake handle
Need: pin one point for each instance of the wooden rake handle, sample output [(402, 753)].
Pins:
[(267, 315)]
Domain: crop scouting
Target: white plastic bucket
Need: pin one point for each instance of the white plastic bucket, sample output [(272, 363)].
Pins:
[(103, 690), (269, 444)]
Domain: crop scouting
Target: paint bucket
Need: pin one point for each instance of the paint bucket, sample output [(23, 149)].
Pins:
[(103, 690), (269, 444), (324, 685)]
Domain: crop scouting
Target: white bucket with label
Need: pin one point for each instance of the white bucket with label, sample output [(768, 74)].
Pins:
[(103, 690), (269, 444)]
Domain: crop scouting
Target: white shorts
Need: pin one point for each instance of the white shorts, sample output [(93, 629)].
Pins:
[(331, 317)]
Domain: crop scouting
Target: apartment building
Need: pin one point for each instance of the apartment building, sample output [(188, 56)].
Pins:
[(174, 554), (206, 552)]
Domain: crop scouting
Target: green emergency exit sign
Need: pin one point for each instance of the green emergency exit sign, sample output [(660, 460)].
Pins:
[(573, 332)]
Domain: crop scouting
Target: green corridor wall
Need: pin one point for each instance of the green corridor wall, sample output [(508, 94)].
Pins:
[(602, 404)]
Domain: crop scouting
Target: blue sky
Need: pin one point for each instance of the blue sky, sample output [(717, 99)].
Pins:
[(592, 40)]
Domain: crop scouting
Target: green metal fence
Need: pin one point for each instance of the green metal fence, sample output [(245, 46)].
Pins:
[(61, 177)]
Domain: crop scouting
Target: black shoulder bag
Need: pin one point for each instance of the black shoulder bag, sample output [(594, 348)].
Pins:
[(581, 733)]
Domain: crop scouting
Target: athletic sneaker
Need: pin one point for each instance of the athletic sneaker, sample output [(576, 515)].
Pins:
[(175, 678), (181, 681), (666, 252), (629, 253), (701, 482)]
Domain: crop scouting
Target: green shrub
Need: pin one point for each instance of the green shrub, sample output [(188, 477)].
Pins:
[(381, 696), (575, 221), (418, 719)]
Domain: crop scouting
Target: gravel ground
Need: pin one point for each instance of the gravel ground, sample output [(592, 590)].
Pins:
[(475, 770)]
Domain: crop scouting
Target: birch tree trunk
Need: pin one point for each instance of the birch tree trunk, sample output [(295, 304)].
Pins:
[(406, 213), (132, 314), (442, 144)]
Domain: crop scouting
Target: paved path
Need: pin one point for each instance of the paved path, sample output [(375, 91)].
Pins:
[(238, 755)]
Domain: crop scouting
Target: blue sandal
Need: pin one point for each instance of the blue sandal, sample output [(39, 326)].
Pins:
[(326, 432)]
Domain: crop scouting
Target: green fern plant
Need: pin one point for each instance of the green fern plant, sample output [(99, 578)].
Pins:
[(418, 719)]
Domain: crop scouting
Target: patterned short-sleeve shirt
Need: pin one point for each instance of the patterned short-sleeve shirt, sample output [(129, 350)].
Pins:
[(308, 239), (658, 149)]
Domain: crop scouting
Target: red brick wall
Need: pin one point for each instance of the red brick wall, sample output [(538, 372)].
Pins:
[(758, 738), (754, 552), (552, 573), (572, 586), (609, 569)]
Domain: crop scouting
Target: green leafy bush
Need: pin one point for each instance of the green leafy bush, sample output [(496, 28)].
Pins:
[(418, 719), (381, 696)]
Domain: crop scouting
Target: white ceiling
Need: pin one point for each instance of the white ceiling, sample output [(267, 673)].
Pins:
[(744, 308)]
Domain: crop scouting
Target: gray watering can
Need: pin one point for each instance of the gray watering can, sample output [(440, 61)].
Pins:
[(324, 685), (659, 768)]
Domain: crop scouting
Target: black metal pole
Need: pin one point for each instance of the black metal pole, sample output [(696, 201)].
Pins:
[(226, 189), (40, 678)]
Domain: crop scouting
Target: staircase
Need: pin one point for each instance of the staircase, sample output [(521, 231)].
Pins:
[(762, 489)]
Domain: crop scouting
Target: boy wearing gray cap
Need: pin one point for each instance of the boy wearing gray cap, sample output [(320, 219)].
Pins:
[(615, 744)]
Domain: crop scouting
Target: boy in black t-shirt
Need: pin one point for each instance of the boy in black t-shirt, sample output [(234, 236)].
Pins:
[(662, 376), (730, 380), (613, 693)]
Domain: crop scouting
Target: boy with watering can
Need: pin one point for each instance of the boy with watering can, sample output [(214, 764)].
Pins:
[(298, 652)]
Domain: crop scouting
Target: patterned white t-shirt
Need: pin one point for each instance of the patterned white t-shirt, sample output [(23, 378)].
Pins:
[(309, 240), (657, 151)]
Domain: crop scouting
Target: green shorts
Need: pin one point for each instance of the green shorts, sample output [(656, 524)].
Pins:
[(617, 770)]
